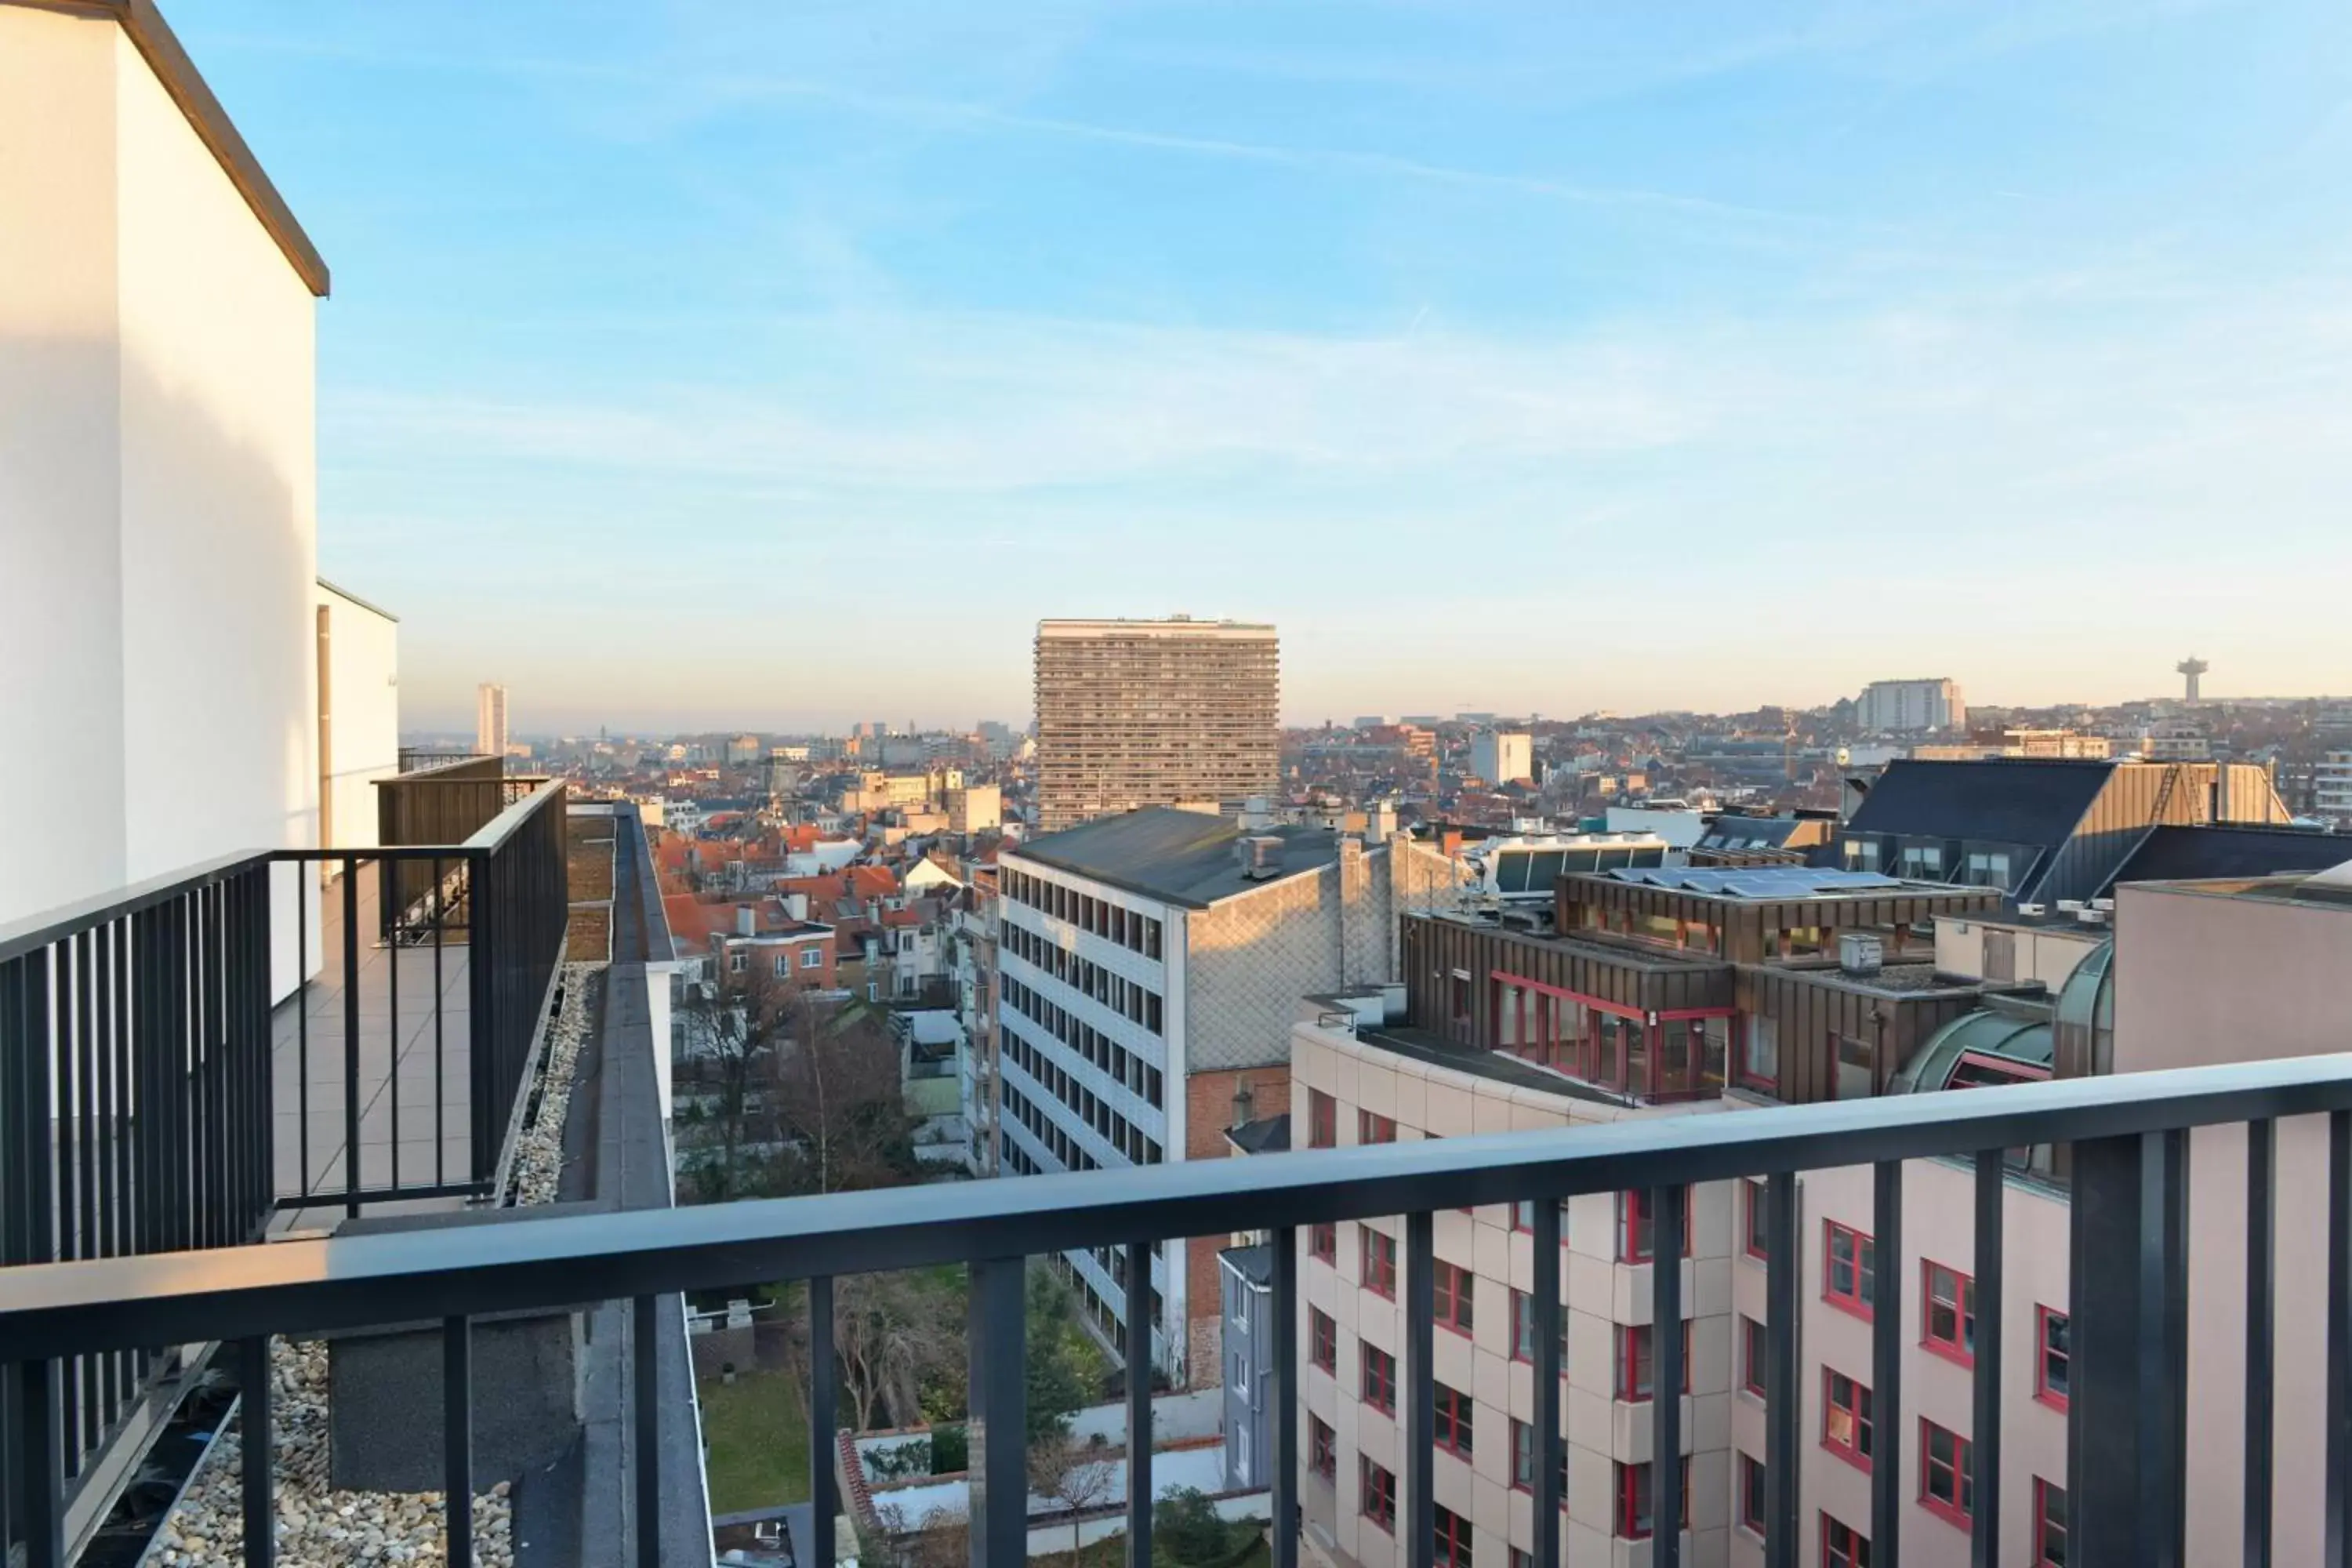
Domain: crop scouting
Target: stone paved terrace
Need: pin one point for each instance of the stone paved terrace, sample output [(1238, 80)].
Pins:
[(413, 1059)]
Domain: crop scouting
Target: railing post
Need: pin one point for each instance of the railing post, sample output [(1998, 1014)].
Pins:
[(481, 1005), (2125, 1427), (2338, 1504), (351, 1038), (997, 1427), (2262, 1272), (823, 1419), (254, 1419), (1889, 1500), (1666, 1376), (1420, 1388), (1285, 1312), (457, 1440), (1138, 1306), (644, 1352), (1544, 1322), (1783, 1397), (1991, 1189)]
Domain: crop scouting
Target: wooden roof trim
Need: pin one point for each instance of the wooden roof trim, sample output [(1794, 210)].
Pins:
[(161, 48)]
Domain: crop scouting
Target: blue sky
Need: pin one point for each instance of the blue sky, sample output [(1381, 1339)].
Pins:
[(713, 364)]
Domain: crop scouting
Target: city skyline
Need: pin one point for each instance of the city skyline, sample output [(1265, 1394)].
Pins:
[(1392, 333)]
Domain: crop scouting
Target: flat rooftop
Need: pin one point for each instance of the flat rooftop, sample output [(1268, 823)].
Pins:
[(1186, 857), (1775, 884)]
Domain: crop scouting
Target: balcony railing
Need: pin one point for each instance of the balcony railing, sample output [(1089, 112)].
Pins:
[(2127, 1419), (157, 1095)]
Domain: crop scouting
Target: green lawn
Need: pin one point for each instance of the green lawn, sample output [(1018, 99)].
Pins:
[(757, 1429)]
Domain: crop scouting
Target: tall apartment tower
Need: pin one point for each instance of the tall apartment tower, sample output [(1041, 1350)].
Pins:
[(490, 719), (1134, 713), (1899, 706)]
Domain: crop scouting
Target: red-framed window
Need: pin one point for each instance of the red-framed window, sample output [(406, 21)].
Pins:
[(1523, 1217), (1322, 1448), (1849, 1268), (1452, 1550), (1523, 1330), (1523, 1456), (1380, 1262), (1322, 1120), (1379, 1379), (1635, 1231), (1843, 1546), (1634, 1520), (1372, 1129), (1755, 1356), (1636, 1356), (1377, 1487), (1322, 1339), (1846, 1417), (1752, 1495), (2049, 1525), (1454, 1289), (1947, 1484), (1457, 1422), (2052, 1364), (1947, 1313), (1754, 1233), (1323, 1243)]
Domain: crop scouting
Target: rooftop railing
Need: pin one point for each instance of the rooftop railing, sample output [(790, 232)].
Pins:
[(166, 1085), (2127, 1418)]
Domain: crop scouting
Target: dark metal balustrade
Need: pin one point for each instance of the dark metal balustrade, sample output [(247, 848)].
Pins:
[(153, 1098), (2127, 1418)]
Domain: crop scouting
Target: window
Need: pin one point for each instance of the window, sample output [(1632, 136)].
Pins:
[(1843, 1546), (1379, 1488), (783, 964), (1322, 1120), (1759, 1054), (1634, 1501), (2049, 1525), (1452, 1288), (1379, 1380), (1523, 1455), (1322, 1340), (1322, 1448), (1849, 1267), (1380, 1262), (1846, 1417), (1634, 1360), (1752, 1495), (1946, 1485), (1757, 1234), (813, 958), (738, 962), (1636, 1229), (1949, 1308), (1371, 1129), (1523, 1330), (1453, 1421), (1453, 1540), (1323, 1243), (1755, 1356), (2052, 1361)]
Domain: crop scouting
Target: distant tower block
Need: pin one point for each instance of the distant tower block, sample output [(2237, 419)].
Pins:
[(2192, 667)]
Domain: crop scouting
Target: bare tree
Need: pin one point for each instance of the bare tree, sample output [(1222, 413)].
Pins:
[(733, 1023), (1076, 1477), (839, 1096), (891, 1338)]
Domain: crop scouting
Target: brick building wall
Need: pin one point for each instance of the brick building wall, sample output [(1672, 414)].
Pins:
[(1208, 1112)]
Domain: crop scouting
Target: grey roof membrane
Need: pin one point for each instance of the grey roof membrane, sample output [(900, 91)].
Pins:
[(1186, 857)]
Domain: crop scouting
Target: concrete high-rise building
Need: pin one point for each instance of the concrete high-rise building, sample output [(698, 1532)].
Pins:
[(1901, 706), (490, 719), (1135, 713), (1498, 756)]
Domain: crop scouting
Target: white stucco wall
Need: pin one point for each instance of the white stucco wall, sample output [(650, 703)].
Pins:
[(158, 480), (362, 702)]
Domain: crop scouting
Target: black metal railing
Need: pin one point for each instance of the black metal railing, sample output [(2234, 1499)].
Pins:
[(2127, 1419), (443, 803), (145, 1062)]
